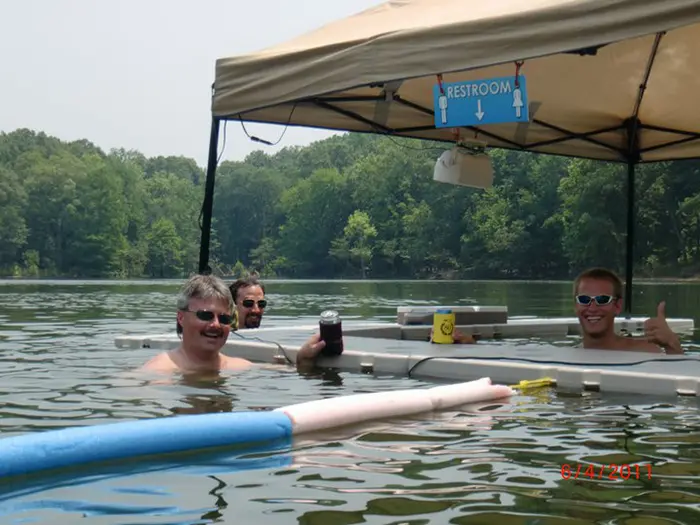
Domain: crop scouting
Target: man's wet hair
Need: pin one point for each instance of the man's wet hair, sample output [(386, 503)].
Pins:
[(244, 282), (202, 287), (602, 274)]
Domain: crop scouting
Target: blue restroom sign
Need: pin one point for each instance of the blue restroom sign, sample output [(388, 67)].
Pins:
[(479, 102)]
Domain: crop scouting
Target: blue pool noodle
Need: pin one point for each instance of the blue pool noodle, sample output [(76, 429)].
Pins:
[(27, 453)]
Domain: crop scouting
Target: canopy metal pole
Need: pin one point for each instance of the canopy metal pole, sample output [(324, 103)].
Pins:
[(629, 263), (208, 204), (633, 157)]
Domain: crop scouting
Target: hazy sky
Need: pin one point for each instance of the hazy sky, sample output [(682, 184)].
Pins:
[(137, 74)]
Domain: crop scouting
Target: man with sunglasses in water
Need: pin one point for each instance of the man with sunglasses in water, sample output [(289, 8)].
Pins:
[(598, 300), (204, 317), (249, 297)]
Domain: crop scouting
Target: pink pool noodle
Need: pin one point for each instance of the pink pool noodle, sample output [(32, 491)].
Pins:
[(448, 396), (345, 410)]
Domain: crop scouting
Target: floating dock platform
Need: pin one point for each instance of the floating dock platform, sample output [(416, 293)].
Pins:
[(505, 352)]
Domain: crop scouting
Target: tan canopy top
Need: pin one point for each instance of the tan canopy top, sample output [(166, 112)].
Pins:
[(591, 67)]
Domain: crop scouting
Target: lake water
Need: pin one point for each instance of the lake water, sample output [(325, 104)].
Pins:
[(492, 464)]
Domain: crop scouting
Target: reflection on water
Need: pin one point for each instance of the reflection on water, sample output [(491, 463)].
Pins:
[(495, 463)]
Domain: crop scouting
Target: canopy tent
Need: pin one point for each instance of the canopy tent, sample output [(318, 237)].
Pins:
[(606, 79)]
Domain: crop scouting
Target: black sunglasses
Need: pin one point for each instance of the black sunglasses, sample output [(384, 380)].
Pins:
[(206, 315), (600, 300), (248, 303)]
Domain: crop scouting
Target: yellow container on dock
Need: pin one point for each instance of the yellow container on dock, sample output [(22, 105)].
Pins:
[(443, 326)]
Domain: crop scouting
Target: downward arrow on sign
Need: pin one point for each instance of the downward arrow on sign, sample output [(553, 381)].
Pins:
[(479, 114)]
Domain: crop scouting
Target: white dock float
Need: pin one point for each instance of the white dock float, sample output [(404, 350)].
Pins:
[(492, 321), (401, 350)]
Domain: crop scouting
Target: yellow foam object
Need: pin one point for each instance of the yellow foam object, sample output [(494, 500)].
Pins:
[(535, 383)]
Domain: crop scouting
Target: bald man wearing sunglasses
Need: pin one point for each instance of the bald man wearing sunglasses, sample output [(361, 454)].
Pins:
[(598, 300), (204, 318)]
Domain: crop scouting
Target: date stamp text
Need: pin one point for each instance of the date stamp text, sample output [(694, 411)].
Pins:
[(611, 471)]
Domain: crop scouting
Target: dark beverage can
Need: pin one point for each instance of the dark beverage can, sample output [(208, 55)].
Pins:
[(332, 333)]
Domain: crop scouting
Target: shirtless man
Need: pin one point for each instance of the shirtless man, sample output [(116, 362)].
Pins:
[(598, 300), (249, 298), (204, 317)]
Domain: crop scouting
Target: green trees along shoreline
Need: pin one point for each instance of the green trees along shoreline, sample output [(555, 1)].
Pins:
[(349, 206)]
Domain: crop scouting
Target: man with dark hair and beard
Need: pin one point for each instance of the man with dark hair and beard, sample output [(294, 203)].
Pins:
[(249, 298)]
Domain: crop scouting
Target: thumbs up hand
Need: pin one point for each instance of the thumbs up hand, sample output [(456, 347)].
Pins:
[(661, 311), (657, 331)]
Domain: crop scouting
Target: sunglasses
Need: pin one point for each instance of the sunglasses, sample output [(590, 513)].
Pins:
[(600, 300), (206, 315), (248, 303)]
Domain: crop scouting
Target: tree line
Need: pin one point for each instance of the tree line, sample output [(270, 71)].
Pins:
[(351, 205)]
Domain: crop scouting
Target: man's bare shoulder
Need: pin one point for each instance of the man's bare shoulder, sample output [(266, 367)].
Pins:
[(164, 362), (626, 344), (635, 344), (161, 363), (234, 363)]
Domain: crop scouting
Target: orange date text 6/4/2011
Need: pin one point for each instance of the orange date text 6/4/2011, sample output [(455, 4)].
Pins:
[(610, 471)]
